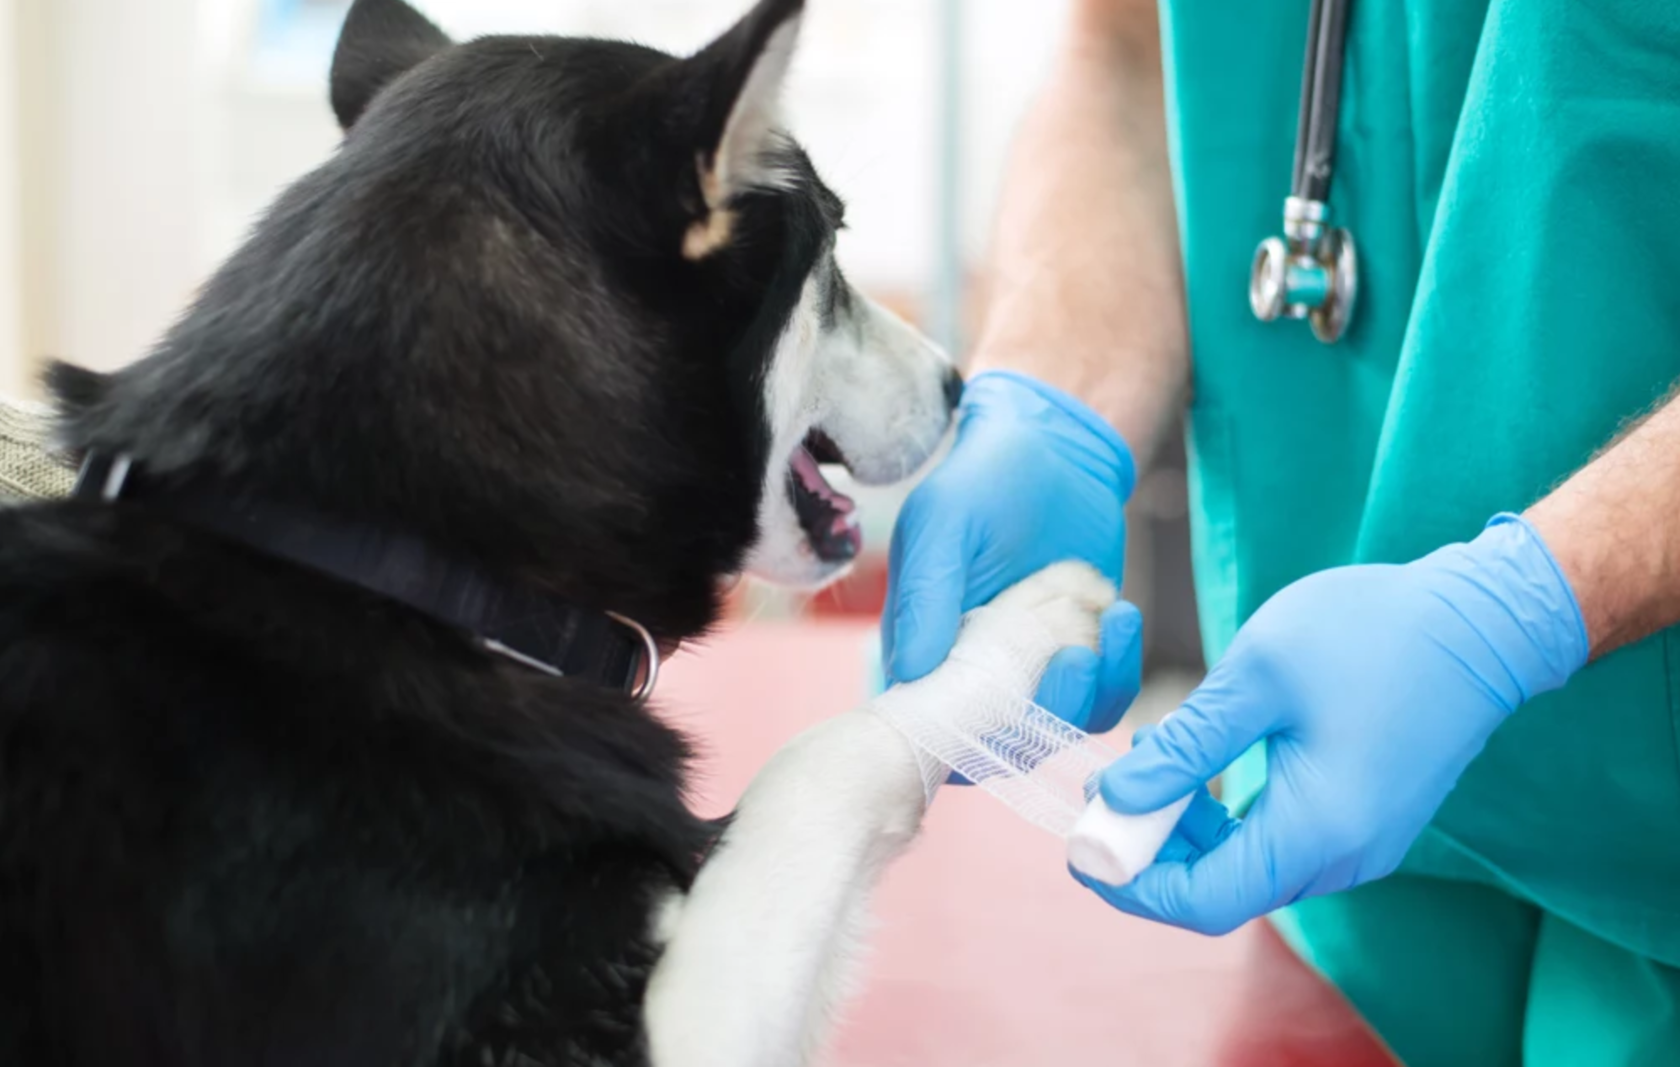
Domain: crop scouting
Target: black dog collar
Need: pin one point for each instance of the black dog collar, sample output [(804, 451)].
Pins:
[(518, 623)]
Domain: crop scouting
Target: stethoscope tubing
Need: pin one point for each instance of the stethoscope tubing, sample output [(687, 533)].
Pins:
[(1321, 100)]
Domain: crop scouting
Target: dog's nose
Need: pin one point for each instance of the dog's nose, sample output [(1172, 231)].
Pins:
[(953, 388)]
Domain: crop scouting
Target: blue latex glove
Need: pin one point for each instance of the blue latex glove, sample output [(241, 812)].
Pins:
[(1035, 478), (1374, 687)]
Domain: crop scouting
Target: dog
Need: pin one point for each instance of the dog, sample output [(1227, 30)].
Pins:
[(323, 697)]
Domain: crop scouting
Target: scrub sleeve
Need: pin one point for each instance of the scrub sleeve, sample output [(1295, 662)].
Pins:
[(1511, 172)]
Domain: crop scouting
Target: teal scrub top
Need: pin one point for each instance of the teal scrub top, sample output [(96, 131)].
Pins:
[(1511, 172)]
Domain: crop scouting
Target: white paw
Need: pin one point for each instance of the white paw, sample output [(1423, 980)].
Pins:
[(1066, 599), (1014, 637)]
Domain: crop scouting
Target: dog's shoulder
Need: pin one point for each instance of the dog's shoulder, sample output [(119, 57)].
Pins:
[(239, 800), (129, 631)]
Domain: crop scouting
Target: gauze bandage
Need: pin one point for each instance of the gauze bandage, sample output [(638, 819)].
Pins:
[(969, 717)]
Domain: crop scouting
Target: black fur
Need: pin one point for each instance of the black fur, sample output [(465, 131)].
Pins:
[(251, 816), (381, 40)]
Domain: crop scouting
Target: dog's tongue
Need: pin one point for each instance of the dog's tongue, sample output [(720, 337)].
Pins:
[(811, 477), (842, 538)]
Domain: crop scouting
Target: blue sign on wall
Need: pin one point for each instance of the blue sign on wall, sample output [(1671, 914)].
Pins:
[(295, 38)]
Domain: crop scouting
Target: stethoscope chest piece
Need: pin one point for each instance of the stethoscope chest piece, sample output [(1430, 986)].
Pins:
[(1311, 273)]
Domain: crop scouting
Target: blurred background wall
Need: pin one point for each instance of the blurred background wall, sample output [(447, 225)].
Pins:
[(11, 208), (139, 138)]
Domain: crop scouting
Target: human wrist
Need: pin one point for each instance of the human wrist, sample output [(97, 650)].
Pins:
[(1134, 394), (1625, 572), (1069, 410), (1531, 614)]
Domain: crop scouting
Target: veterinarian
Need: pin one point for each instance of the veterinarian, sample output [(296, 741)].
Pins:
[(1436, 522)]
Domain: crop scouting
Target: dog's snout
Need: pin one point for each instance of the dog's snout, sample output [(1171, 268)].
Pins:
[(953, 388)]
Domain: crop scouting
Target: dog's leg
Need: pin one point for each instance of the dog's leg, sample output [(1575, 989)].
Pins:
[(758, 952), (758, 956)]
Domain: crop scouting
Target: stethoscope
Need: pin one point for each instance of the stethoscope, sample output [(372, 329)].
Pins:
[(1312, 271)]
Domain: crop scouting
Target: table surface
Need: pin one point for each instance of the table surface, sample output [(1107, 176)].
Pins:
[(985, 951)]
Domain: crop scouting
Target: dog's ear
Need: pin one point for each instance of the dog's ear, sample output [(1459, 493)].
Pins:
[(381, 41), (76, 389), (733, 89)]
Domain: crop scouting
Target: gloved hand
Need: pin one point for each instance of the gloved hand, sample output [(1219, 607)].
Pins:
[(1374, 687), (1035, 478)]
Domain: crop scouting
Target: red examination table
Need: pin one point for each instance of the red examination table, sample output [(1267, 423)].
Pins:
[(986, 953)]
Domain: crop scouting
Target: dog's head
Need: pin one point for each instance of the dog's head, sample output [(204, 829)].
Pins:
[(570, 306)]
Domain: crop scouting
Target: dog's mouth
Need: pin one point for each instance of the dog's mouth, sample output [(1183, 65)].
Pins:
[(827, 516)]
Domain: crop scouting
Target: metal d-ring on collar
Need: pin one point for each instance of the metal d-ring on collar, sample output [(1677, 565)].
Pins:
[(1312, 271), (649, 647), (509, 619), (650, 654)]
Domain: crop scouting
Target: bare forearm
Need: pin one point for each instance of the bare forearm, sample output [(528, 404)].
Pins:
[(1085, 284), (1615, 530)]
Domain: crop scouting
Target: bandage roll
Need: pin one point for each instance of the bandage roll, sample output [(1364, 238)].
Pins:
[(1038, 766), (1115, 848)]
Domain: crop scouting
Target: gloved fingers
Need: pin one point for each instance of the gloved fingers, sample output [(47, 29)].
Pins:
[(1187, 750), (1070, 686), (1092, 691), (1177, 850), (888, 630), (1206, 824), (1248, 874), (1201, 828), (926, 589), (1121, 677)]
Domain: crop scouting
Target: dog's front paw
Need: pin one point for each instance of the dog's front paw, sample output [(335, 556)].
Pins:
[(1013, 638)]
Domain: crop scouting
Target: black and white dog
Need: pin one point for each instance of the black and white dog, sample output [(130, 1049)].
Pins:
[(321, 740)]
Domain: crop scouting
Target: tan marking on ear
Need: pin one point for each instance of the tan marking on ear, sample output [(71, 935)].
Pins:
[(711, 182), (707, 236), (714, 231)]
